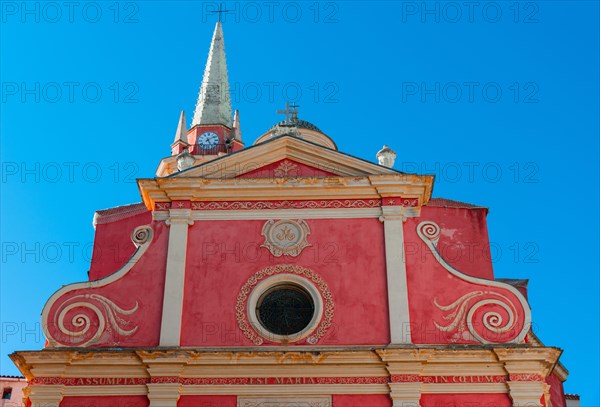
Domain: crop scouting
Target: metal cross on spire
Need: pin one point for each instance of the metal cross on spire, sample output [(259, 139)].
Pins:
[(220, 11), (290, 109)]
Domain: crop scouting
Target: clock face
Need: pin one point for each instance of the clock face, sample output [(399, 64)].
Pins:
[(208, 140)]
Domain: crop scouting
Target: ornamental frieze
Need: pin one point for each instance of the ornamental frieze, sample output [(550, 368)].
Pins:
[(282, 380), (464, 379), (288, 204), (90, 381), (526, 377)]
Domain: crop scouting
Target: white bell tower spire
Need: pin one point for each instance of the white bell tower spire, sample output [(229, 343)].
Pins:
[(214, 100), (213, 132)]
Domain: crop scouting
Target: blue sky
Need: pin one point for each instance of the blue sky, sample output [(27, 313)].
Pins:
[(500, 101)]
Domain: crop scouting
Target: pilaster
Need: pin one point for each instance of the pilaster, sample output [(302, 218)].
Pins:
[(170, 331), (163, 394), (165, 371), (45, 395), (393, 218), (527, 371), (404, 367)]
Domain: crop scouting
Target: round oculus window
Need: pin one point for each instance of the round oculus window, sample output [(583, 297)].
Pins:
[(285, 309)]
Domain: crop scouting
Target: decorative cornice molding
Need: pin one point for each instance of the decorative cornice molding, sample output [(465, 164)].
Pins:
[(164, 190), (291, 204), (390, 213), (179, 216), (281, 209), (286, 204), (266, 214), (560, 371), (404, 372), (400, 201), (89, 381), (526, 377), (274, 380), (405, 378), (538, 360)]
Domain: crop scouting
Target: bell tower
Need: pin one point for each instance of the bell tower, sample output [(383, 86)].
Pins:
[(213, 132)]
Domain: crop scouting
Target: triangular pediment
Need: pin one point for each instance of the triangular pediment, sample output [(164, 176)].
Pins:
[(287, 168), (285, 156)]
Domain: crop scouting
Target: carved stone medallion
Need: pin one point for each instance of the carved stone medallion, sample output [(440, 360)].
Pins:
[(285, 237)]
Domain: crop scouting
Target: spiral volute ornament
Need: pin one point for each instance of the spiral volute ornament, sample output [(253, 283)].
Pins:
[(141, 235), (430, 231)]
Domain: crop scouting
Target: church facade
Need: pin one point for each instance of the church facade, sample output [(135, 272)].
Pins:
[(287, 273)]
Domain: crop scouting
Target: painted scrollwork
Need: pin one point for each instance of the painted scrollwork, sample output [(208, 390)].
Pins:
[(286, 204), (74, 321), (485, 315), (493, 320), (75, 315)]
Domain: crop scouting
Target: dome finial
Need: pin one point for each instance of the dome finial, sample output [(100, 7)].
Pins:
[(386, 156)]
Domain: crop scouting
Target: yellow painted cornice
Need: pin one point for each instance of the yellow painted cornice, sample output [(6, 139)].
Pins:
[(247, 189), (134, 363)]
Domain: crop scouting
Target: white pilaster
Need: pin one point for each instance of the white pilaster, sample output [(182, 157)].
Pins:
[(393, 218), (527, 393), (45, 395), (163, 394), (170, 330), (404, 367), (527, 373), (405, 394)]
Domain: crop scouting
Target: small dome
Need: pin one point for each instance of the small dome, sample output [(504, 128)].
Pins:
[(300, 129), (295, 122)]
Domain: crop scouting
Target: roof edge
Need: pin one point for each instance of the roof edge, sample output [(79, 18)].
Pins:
[(117, 213)]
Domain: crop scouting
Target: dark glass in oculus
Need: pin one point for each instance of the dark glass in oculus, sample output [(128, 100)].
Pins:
[(285, 309)]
